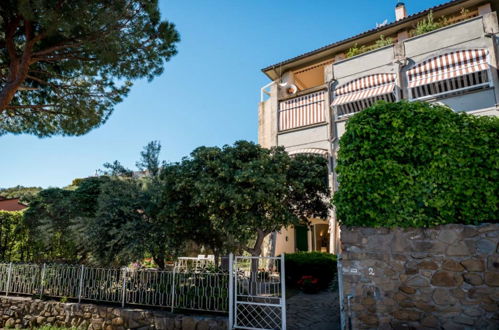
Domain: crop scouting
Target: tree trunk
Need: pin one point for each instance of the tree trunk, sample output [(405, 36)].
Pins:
[(256, 251)]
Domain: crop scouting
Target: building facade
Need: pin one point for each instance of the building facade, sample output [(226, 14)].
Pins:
[(447, 54)]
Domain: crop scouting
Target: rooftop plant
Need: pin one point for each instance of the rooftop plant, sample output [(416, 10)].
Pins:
[(427, 24), (357, 50)]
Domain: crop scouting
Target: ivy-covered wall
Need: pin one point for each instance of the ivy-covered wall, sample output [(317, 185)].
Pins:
[(417, 165)]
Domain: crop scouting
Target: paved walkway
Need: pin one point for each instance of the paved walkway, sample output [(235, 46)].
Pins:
[(313, 311)]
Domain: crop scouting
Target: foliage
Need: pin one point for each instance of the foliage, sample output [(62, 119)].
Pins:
[(117, 233), (23, 193), (116, 169), (417, 165), (120, 226), (150, 158), (382, 42), (429, 24), (357, 50), (49, 219), (318, 265), (236, 195), (13, 237), (65, 64)]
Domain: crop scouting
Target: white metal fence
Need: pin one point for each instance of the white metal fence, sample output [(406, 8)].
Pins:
[(250, 289), (259, 300), (183, 288)]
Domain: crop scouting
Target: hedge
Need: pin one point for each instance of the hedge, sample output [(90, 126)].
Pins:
[(320, 265), (417, 165)]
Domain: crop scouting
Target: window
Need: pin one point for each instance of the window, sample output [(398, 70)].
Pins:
[(449, 74), (305, 110)]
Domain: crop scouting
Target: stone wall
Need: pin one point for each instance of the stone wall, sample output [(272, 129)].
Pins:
[(17, 312), (443, 277)]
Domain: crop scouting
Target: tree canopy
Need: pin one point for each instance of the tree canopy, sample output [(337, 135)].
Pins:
[(223, 199), (23, 193), (66, 64), (417, 165), (233, 197)]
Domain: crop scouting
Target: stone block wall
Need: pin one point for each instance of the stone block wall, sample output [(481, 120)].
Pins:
[(443, 277), (27, 313)]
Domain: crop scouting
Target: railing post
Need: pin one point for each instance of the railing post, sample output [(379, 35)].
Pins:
[(80, 288), (9, 274), (231, 291), (173, 287), (283, 291), (123, 288), (42, 279)]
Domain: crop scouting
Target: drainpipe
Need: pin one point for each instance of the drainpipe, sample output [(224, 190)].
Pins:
[(333, 137)]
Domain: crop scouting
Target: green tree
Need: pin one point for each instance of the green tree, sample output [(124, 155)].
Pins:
[(417, 165), (23, 193), (116, 169), (14, 237), (65, 64), (49, 221), (237, 195), (117, 234), (149, 161)]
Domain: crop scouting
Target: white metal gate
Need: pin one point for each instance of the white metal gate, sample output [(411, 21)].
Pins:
[(257, 293)]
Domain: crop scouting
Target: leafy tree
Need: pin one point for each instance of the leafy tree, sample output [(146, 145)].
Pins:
[(116, 169), (13, 237), (100, 201), (417, 165), (118, 232), (65, 64), (49, 219), (150, 158), (178, 217), (237, 195), (23, 193), (84, 206)]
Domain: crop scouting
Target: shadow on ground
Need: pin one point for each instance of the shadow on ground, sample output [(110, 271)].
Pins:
[(313, 311)]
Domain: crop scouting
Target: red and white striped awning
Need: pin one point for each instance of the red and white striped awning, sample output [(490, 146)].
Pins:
[(446, 66), (364, 88), (315, 151)]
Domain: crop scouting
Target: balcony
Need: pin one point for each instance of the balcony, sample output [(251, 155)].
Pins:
[(301, 111)]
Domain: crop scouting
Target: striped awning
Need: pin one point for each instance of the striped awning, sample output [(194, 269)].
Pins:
[(315, 151), (446, 66), (364, 88)]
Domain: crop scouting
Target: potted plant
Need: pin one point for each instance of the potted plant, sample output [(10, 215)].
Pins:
[(309, 284)]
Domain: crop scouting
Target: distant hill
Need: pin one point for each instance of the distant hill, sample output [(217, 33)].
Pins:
[(21, 192)]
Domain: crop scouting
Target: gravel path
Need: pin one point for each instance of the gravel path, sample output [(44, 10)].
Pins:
[(313, 311)]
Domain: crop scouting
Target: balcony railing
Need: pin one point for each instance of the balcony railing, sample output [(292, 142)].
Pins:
[(305, 110)]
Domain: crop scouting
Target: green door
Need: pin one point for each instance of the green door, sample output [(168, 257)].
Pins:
[(301, 238)]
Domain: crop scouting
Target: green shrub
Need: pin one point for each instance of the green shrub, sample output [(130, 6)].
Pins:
[(417, 165), (429, 24), (357, 50), (320, 265)]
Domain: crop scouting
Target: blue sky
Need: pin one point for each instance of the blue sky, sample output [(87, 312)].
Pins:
[(209, 92)]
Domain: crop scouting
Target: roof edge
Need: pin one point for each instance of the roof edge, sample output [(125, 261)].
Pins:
[(363, 34)]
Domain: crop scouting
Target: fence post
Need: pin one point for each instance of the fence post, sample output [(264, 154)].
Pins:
[(80, 288), (231, 290), (9, 274), (42, 279), (283, 291), (123, 288), (173, 287)]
